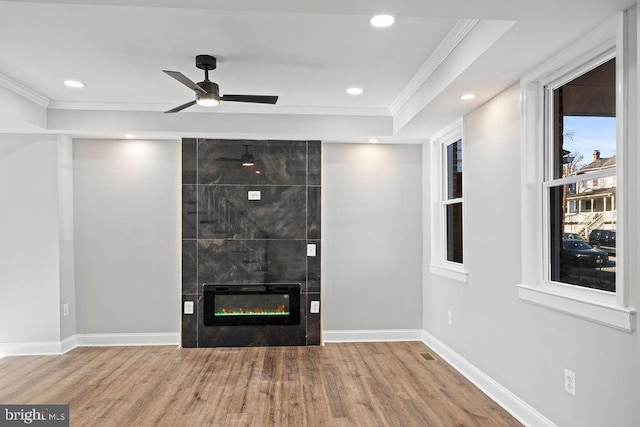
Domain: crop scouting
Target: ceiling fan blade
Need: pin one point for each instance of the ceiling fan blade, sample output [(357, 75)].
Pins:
[(259, 99), (185, 81), (181, 107)]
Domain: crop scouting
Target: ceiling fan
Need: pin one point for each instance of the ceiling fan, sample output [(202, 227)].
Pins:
[(246, 160), (208, 92)]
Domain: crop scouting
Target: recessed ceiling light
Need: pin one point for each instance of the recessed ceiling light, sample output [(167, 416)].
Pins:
[(373, 140), (467, 96), (130, 136), (73, 83), (382, 21), (355, 91)]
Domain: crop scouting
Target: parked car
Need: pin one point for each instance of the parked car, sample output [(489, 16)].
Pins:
[(605, 239), (580, 253), (571, 236)]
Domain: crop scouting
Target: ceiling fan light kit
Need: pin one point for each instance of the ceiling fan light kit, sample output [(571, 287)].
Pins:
[(211, 98), (208, 92)]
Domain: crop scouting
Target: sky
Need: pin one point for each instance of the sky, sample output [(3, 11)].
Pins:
[(590, 133)]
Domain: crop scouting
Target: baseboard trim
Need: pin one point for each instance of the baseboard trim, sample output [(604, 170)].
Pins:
[(372, 335), (68, 344), (139, 339), (49, 348), (502, 396), (38, 348)]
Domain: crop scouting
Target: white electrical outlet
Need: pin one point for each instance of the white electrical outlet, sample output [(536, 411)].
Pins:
[(315, 306), (254, 195), (311, 249), (65, 309), (449, 318), (570, 382), (188, 307)]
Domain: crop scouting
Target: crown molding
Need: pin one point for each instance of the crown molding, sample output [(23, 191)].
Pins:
[(444, 49), (23, 91), (590, 45), (242, 109), (107, 106)]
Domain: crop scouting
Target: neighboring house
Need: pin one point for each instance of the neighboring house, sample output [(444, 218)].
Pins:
[(591, 203)]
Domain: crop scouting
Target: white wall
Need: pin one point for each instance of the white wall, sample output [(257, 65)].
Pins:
[(372, 237), (19, 114), (127, 236), (523, 347), (29, 251)]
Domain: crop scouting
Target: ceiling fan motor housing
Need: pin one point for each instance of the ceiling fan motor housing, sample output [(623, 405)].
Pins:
[(212, 89)]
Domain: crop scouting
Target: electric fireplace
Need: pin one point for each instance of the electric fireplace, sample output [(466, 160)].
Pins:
[(254, 304)]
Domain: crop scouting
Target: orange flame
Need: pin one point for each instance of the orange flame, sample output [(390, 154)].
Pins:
[(240, 311)]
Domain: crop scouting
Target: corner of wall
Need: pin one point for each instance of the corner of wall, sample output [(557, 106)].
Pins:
[(67, 300)]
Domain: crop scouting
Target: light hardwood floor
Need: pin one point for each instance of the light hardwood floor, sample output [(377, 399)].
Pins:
[(361, 384)]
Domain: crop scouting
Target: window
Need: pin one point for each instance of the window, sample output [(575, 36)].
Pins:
[(575, 139), (447, 213), (580, 113), (452, 202)]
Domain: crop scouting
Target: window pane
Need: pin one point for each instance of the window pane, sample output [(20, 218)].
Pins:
[(583, 224), (584, 124), (454, 232), (454, 170)]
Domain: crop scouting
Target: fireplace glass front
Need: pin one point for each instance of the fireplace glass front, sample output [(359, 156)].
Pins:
[(267, 304)]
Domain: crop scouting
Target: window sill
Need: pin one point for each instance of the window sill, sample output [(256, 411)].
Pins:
[(450, 272), (605, 314)]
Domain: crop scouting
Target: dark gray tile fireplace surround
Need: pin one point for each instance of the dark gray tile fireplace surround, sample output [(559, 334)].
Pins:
[(230, 240)]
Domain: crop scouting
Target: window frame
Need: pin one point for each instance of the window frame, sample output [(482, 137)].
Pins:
[(611, 309), (439, 201)]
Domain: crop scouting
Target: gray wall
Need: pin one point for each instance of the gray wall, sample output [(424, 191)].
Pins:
[(65, 237), (127, 235), (523, 347), (372, 235), (29, 252)]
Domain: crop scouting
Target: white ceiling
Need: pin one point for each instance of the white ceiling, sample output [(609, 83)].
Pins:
[(307, 52)]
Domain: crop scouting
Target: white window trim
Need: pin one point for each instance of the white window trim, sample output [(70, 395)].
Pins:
[(439, 264), (598, 306)]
